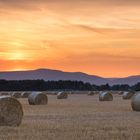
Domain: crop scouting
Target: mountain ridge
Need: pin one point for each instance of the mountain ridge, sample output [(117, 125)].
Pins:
[(55, 75)]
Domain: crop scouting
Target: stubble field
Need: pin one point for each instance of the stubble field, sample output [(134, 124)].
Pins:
[(80, 117)]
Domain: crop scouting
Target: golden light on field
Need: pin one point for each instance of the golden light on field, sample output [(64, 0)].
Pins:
[(71, 36), (79, 118)]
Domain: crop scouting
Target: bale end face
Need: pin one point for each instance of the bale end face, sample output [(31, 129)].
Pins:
[(11, 112)]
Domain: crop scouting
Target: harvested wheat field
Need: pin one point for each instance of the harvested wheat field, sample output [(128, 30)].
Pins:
[(80, 117)]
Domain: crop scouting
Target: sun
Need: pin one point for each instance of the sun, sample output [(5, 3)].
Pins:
[(17, 55)]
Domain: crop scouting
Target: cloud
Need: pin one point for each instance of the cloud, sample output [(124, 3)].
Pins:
[(19, 4), (33, 4), (101, 30), (89, 28)]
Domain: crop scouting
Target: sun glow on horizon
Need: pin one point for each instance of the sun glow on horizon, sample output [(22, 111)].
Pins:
[(18, 69), (17, 55)]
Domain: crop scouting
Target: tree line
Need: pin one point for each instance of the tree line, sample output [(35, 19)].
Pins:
[(41, 85)]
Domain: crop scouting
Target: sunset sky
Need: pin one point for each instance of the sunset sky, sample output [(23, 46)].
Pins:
[(100, 37)]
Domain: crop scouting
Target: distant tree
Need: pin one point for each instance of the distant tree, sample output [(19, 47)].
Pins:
[(120, 87), (105, 87), (41, 85), (136, 87)]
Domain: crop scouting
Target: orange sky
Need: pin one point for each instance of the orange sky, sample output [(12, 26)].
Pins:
[(100, 37)]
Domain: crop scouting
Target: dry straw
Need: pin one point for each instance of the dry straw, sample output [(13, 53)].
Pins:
[(37, 98), (11, 112)]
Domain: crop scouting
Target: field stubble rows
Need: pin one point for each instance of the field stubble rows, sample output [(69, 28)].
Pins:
[(80, 117)]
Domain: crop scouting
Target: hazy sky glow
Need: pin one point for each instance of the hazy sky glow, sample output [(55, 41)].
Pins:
[(100, 37)]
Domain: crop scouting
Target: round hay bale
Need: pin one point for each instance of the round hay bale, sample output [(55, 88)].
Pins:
[(105, 96), (10, 93), (128, 95), (4, 93), (16, 94), (62, 95), (52, 93), (96, 92), (25, 94), (11, 112), (36, 98), (135, 102), (113, 92), (46, 92), (91, 93), (120, 92), (70, 92)]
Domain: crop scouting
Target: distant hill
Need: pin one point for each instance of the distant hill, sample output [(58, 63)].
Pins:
[(131, 80), (55, 75)]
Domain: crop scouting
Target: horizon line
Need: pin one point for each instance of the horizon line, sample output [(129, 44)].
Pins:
[(24, 70)]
